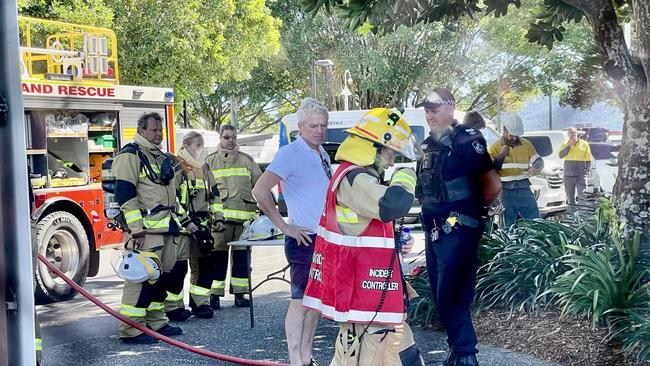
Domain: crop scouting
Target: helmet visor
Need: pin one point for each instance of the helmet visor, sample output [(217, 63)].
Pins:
[(410, 148)]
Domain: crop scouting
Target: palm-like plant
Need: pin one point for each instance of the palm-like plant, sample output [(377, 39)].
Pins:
[(603, 280), (525, 267)]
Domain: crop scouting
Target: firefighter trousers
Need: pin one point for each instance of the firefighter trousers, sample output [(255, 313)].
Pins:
[(201, 269), (174, 299), (379, 345), (240, 257), (144, 302)]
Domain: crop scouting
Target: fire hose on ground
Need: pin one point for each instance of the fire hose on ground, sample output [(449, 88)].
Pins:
[(143, 329)]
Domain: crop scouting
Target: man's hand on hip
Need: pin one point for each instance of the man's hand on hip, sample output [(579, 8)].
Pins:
[(300, 233)]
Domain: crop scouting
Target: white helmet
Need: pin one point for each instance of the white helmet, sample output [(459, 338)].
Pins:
[(138, 267), (260, 229), (513, 124)]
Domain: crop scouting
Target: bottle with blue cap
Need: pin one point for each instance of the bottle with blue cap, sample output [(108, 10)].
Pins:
[(404, 237)]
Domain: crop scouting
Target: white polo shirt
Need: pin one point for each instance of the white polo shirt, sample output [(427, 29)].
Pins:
[(304, 181)]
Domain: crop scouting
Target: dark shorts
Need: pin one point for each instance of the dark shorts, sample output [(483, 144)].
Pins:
[(299, 258)]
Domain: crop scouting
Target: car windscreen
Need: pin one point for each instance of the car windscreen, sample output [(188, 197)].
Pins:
[(542, 145)]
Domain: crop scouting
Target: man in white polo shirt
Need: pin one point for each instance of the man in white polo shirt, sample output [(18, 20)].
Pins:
[(303, 168)]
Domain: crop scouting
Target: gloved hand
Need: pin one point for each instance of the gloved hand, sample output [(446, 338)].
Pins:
[(138, 239), (204, 238), (218, 226)]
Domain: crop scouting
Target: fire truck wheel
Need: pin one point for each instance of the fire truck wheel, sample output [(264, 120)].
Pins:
[(61, 239)]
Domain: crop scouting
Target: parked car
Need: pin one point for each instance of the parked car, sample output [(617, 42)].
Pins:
[(549, 186)]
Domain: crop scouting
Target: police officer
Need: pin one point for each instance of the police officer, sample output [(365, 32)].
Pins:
[(456, 181), (235, 173), (145, 188)]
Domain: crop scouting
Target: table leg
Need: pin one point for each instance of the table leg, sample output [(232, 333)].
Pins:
[(249, 262)]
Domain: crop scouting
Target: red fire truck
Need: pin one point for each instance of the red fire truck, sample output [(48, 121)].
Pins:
[(76, 116)]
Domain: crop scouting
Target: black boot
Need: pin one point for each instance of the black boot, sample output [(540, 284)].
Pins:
[(241, 301), (214, 302), (139, 339), (179, 315), (467, 360), (203, 311)]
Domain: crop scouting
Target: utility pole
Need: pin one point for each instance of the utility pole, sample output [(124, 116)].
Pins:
[(499, 101), (313, 79), (550, 112), (234, 106), (186, 118), (17, 330)]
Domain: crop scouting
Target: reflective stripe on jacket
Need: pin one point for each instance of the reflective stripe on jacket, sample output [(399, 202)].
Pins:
[(235, 174), (140, 198)]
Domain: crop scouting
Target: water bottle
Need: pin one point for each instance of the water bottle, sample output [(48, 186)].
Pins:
[(405, 237)]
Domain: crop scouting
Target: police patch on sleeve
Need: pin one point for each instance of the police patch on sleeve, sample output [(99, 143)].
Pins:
[(478, 147)]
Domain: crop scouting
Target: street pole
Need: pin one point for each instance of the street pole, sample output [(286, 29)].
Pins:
[(234, 112), (313, 79), (550, 112), (16, 273), (186, 118), (499, 101)]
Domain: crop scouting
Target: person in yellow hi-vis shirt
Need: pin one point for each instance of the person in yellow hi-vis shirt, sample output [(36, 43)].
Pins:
[(577, 166), (515, 159)]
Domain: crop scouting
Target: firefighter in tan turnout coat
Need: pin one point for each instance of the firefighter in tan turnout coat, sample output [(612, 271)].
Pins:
[(145, 188), (235, 173)]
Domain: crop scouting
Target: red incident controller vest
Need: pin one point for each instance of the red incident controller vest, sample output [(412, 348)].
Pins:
[(348, 274)]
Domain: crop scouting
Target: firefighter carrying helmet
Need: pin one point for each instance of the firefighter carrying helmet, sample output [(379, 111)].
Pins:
[(382, 126), (260, 229), (138, 267)]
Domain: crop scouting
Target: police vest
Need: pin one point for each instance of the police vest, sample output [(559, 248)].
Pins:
[(434, 185), (354, 279)]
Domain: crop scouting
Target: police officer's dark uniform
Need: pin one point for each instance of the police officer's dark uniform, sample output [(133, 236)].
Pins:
[(449, 189)]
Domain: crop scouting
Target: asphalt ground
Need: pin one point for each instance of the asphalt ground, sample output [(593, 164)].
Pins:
[(76, 332)]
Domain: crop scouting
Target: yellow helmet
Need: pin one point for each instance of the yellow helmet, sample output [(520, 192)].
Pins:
[(382, 126)]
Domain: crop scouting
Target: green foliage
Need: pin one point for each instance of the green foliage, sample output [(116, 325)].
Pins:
[(633, 327), (602, 281), (423, 309), (524, 268), (87, 12)]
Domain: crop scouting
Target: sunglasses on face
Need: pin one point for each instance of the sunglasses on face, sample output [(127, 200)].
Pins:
[(228, 137)]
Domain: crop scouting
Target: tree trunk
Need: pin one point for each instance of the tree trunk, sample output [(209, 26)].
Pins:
[(632, 188)]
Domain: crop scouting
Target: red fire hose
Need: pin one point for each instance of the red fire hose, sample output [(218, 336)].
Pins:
[(143, 329)]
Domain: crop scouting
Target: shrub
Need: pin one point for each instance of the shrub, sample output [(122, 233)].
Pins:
[(422, 309), (603, 280), (526, 265), (633, 327)]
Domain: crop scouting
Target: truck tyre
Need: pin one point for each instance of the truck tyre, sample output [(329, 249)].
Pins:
[(60, 238)]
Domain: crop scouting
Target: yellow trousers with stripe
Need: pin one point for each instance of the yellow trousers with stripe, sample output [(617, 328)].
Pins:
[(144, 302), (238, 268), (380, 345)]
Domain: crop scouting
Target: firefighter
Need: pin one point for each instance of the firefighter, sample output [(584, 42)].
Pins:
[(356, 235), (456, 180), (145, 189), (515, 159), (235, 173), (198, 203)]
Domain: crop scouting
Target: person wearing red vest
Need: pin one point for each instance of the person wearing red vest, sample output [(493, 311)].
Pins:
[(355, 277)]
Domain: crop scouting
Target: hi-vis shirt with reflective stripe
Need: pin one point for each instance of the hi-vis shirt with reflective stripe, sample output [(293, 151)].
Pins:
[(518, 162), (235, 174), (137, 194)]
